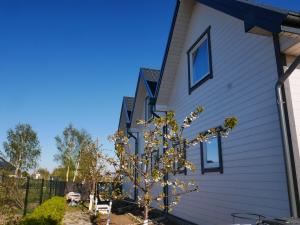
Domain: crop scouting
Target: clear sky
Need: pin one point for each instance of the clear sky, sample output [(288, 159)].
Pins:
[(71, 61)]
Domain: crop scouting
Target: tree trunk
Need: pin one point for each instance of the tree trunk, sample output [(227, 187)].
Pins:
[(146, 214), (76, 171), (17, 171), (67, 174)]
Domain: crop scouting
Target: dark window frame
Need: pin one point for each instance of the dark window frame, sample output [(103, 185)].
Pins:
[(154, 160), (192, 87), (148, 108), (220, 168)]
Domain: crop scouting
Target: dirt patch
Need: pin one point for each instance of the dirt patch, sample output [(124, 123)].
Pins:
[(128, 207), (77, 217), (116, 220)]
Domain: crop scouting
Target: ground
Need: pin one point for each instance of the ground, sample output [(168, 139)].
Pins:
[(123, 213), (76, 217), (81, 216)]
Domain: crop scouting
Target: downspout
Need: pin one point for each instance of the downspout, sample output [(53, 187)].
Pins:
[(136, 153), (166, 177), (285, 131)]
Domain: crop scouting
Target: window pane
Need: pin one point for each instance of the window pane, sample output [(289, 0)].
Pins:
[(200, 62), (148, 109), (211, 154)]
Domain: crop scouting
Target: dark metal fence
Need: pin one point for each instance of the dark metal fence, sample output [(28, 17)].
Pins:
[(25, 194), (39, 190)]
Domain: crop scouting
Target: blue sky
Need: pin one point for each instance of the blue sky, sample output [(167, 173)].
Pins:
[(65, 61)]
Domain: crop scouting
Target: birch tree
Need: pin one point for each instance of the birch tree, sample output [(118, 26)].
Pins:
[(22, 148), (84, 141), (68, 147), (167, 134)]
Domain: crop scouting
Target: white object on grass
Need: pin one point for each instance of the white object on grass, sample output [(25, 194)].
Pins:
[(103, 209), (73, 197)]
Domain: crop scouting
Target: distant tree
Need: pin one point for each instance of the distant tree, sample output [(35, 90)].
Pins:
[(44, 173), (22, 148), (68, 149), (85, 142), (59, 173)]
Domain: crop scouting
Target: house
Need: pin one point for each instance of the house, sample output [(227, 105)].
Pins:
[(124, 122), (140, 107), (235, 58), (6, 167)]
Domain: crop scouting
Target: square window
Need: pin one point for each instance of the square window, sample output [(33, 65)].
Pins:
[(211, 155), (199, 61)]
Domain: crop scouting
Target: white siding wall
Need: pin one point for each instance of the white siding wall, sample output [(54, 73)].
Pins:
[(293, 100), (244, 70), (127, 184)]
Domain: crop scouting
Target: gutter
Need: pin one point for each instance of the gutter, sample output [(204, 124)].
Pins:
[(292, 20), (166, 177), (285, 130)]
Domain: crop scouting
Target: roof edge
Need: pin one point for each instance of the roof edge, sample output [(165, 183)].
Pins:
[(167, 48)]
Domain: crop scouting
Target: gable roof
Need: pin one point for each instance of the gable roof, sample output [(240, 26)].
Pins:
[(129, 103), (126, 108), (254, 15), (148, 77)]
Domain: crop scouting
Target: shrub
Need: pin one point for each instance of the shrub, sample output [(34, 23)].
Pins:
[(50, 212)]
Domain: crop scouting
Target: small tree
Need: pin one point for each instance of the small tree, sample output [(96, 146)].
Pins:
[(22, 148), (94, 169), (92, 165), (153, 167)]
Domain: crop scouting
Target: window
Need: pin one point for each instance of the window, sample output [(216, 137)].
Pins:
[(144, 166), (129, 114), (211, 155), (154, 160), (148, 109), (199, 61), (178, 167)]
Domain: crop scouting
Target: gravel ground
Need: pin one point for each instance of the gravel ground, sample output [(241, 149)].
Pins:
[(77, 218), (83, 217)]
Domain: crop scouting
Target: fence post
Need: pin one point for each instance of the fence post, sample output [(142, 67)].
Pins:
[(55, 190), (50, 187), (42, 191), (26, 196)]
